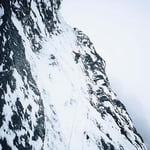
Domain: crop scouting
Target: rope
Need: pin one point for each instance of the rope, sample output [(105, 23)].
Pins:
[(73, 123)]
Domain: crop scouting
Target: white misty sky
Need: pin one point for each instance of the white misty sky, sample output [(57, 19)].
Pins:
[(120, 31)]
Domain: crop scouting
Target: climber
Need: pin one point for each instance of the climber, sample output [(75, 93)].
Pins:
[(77, 56)]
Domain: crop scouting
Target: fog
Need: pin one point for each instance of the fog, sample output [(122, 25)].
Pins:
[(120, 31)]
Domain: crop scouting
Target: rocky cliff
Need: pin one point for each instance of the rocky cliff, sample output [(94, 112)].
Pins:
[(54, 91)]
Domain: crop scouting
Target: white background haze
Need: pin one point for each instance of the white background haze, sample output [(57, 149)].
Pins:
[(120, 31)]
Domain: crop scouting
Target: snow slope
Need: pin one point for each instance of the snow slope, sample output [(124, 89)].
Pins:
[(50, 100)]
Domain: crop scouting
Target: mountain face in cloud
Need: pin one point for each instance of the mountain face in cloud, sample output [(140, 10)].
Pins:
[(54, 92)]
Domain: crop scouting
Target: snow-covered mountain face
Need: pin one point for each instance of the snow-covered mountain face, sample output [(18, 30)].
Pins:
[(54, 92)]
